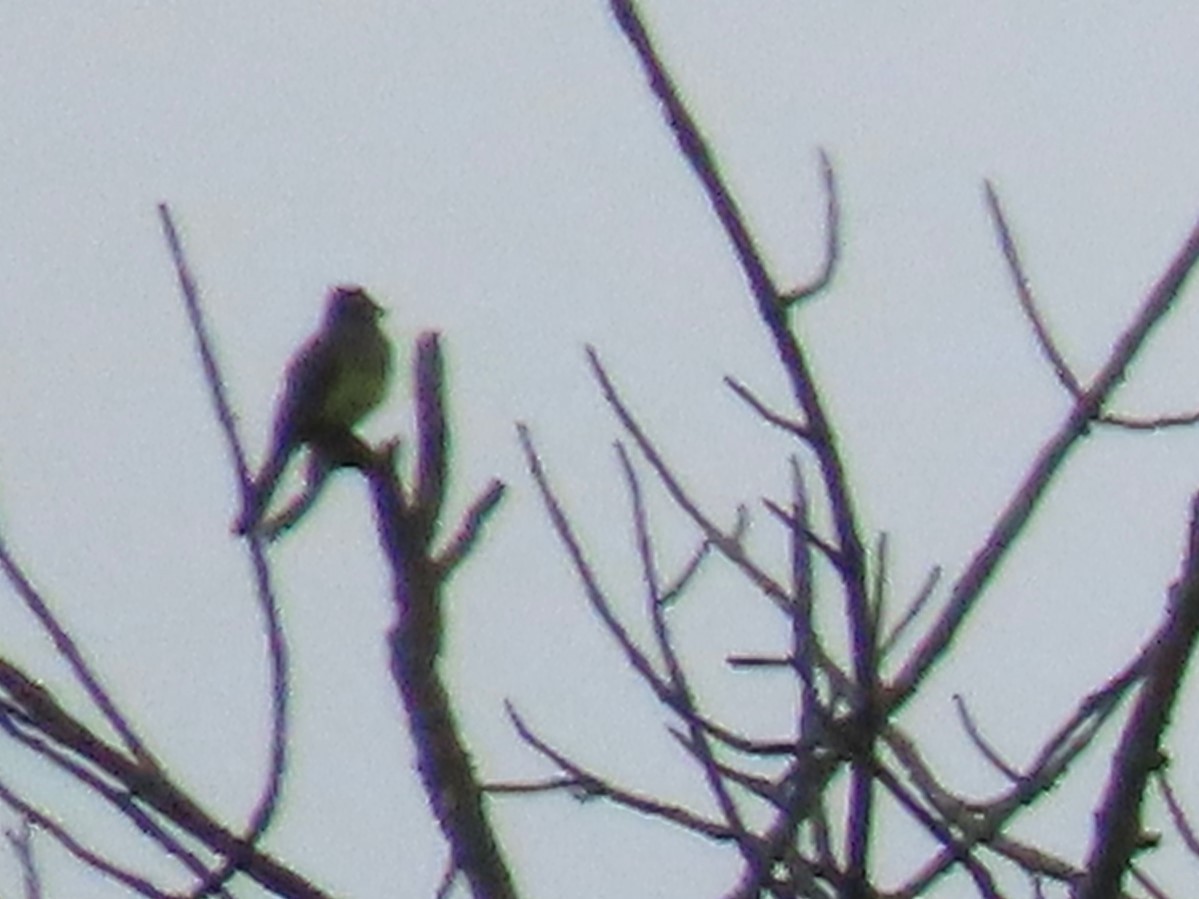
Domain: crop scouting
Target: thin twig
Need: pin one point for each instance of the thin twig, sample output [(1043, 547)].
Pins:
[(76, 847), (594, 592), (923, 595), (1010, 525), (676, 588), (18, 725), (1118, 828), (20, 839), (672, 591), (1157, 423), (832, 238), (804, 532), (448, 878), (792, 359), (805, 642), (531, 787), (953, 846), (1182, 822), (1146, 883), (471, 527), (598, 600), (1057, 754), (685, 704), (1057, 361), (765, 412), (729, 547), (1028, 304), (878, 584), (597, 787), (268, 606), (70, 651), (981, 743)]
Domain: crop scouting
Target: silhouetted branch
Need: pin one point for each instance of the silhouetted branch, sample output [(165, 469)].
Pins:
[(596, 597), (923, 595), (594, 786), (1028, 304), (1156, 423), (980, 742), (765, 412), (832, 238), (1045, 341), (1011, 522), (690, 569), (680, 688), (432, 435), (70, 651), (1118, 831), (42, 710), (471, 528), (406, 530), (984, 821), (772, 311), (24, 730), (21, 840), (805, 533), (264, 810), (960, 851), (75, 847), (729, 548), (1182, 822)]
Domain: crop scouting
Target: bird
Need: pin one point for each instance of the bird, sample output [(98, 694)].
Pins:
[(340, 375)]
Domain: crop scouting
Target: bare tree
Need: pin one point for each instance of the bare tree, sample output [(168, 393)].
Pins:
[(811, 826), (816, 840)]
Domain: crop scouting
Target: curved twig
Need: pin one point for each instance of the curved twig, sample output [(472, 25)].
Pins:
[(268, 801), (1028, 303), (70, 651), (593, 786), (1011, 522), (832, 238)]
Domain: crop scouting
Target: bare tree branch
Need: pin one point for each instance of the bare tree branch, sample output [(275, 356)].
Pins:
[(75, 847), (268, 801), (149, 786), (1118, 830), (406, 530), (923, 595), (70, 651), (832, 238), (1182, 822), (764, 412), (772, 311), (24, 730), (1011, 522), (685, 704), (980, 742), (594, 786), (21, 841), (471, 527), (1028, 303)]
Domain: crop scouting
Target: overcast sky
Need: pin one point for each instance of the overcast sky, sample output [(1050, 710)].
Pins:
[(501, 173)]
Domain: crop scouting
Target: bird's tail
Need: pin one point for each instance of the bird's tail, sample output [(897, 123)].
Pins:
[(259, 494)]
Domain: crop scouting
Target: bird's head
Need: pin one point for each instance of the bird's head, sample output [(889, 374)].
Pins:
[(349, 302)]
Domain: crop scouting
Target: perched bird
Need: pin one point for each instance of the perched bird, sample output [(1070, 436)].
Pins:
[(333, 381)]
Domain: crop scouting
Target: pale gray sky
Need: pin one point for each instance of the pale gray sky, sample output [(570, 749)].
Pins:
[(500, 172)]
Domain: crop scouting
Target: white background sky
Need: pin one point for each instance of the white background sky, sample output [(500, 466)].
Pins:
[(501, 173)]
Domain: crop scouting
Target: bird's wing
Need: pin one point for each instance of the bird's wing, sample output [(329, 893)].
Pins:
[(309, 377)]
